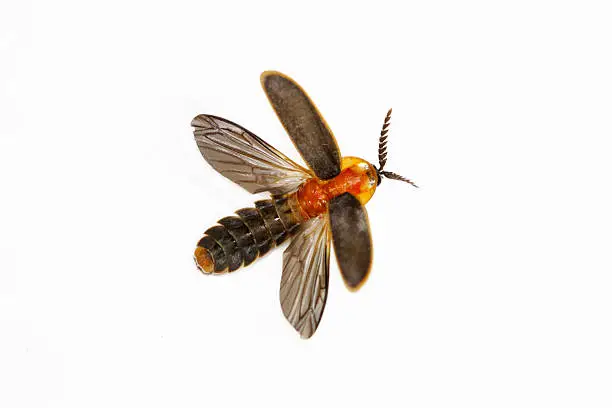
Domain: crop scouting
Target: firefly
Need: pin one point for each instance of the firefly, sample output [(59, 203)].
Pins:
[(310, 207)]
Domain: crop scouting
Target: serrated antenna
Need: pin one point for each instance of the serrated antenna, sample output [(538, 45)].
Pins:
[(382, 142), (393, 176), (382, 154)]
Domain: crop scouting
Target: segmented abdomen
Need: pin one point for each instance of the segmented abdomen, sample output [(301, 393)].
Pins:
[(238, 240)]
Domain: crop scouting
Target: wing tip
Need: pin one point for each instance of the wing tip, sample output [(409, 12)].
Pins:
[(199, 121), (356, 286), (309, 326), (268, 75)]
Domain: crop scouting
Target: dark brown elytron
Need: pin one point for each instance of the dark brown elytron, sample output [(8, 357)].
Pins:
[(311, 207)]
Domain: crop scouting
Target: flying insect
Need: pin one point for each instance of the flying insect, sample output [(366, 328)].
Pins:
[(311, 207)]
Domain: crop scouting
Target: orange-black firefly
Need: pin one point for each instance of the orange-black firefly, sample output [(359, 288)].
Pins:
[(311, 206)]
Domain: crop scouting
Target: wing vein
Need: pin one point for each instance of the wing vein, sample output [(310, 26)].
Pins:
[(244, 158), (303, 289)]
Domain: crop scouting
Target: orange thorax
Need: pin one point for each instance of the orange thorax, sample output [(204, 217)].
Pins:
[(357, 177)]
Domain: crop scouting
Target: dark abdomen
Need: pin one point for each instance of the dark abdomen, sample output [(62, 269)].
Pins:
[(238, 240)]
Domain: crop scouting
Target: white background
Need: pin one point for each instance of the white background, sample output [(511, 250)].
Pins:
[(491, 284)]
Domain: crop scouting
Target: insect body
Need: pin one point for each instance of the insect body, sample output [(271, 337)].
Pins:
[(312, 207)]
